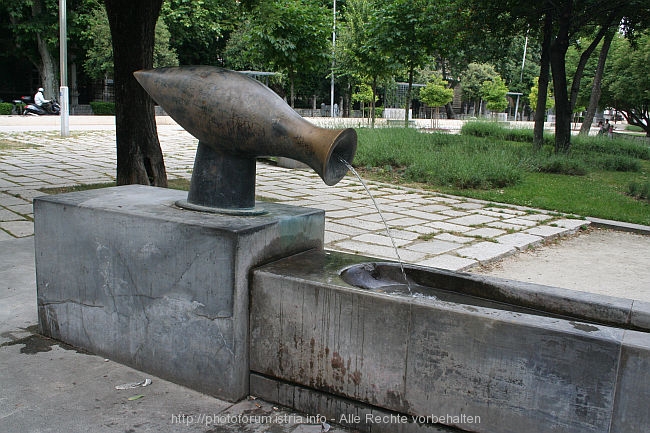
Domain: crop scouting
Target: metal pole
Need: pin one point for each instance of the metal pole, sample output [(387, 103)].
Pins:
[(333, 48), (523, 60), (63, 55)]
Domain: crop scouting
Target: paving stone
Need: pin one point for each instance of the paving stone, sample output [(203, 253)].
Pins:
[(506, 226), (485, 232), (445, 226), (520, 222), (7, 215), (361, 223), (520, 240), (489, 213), (428, 216), (388, 216), (485, 251), (472, 220), (434, 246), (571, 223), (10, 200), (379, 240), (18, 229), (469, 205), (537, 217), (505, 210), (448, 200), (450, 262), (342, 228), (433, 208), (407, 222), (331, 237), (4, 236), (454, 213), (5, 183), (453, 238), (404, 234), (380, 251), (422, 230), (22, 209), (546, 231)]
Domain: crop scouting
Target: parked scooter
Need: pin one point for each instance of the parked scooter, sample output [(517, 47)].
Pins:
[(52, 107)]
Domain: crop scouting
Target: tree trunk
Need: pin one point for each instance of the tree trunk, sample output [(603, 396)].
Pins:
[(577, 77), (373, 102), (139, 157), (563, 110), (542, 84), (292, 95), (407, 105), (46, 65), (596, 87), (47, 70), (449, 108)]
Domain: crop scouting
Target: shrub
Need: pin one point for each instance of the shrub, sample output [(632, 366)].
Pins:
[(617, 163), (640, 190), (562, 164), (103, 108), (441, 159), (500, 132), (6, 107), (620, 146)]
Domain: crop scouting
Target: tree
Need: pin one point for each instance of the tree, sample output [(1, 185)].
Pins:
[(99, 57), (533, 95), (471, 82), (139, 157), (359, 51), (494, 93), (289, 36), (365, 96), (626, 83), (409, 36), (564, 22), (596, 84), (33, 30), (436, 93), (201, 28)]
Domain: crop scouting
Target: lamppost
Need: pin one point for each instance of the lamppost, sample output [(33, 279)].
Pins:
[(63, 67), (333, 48)]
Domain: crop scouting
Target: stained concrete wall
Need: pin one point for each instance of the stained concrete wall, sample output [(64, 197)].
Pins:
[(515, 372), (123, 273)]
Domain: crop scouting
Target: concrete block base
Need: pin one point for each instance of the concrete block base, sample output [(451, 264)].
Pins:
[(124, 273)]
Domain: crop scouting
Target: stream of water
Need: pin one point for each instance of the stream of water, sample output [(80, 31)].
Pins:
[(390, 236)]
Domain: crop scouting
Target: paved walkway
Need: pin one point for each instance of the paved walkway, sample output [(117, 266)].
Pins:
[(427, 228)]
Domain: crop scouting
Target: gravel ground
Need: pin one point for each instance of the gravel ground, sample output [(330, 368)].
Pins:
[(601, 261)]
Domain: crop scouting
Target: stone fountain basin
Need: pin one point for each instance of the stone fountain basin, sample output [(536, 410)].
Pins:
[(495, 293), (328, 335)]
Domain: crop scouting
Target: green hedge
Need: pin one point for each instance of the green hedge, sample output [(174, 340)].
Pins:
[(6, 107), (103, 108)]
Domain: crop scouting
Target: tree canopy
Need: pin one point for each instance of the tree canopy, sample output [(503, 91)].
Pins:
[(626, 86)]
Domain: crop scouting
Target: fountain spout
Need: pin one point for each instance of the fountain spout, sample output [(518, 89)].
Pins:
[(236, 120)]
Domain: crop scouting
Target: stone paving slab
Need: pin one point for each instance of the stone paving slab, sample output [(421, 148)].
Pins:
[(486, 252), (18, 229), (429, 228), (520, 240)]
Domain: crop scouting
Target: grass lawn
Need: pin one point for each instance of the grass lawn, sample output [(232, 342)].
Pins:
[(600, 194), (506, 170)]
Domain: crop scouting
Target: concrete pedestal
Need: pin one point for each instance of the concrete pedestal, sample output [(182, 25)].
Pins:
[(124, 273)]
